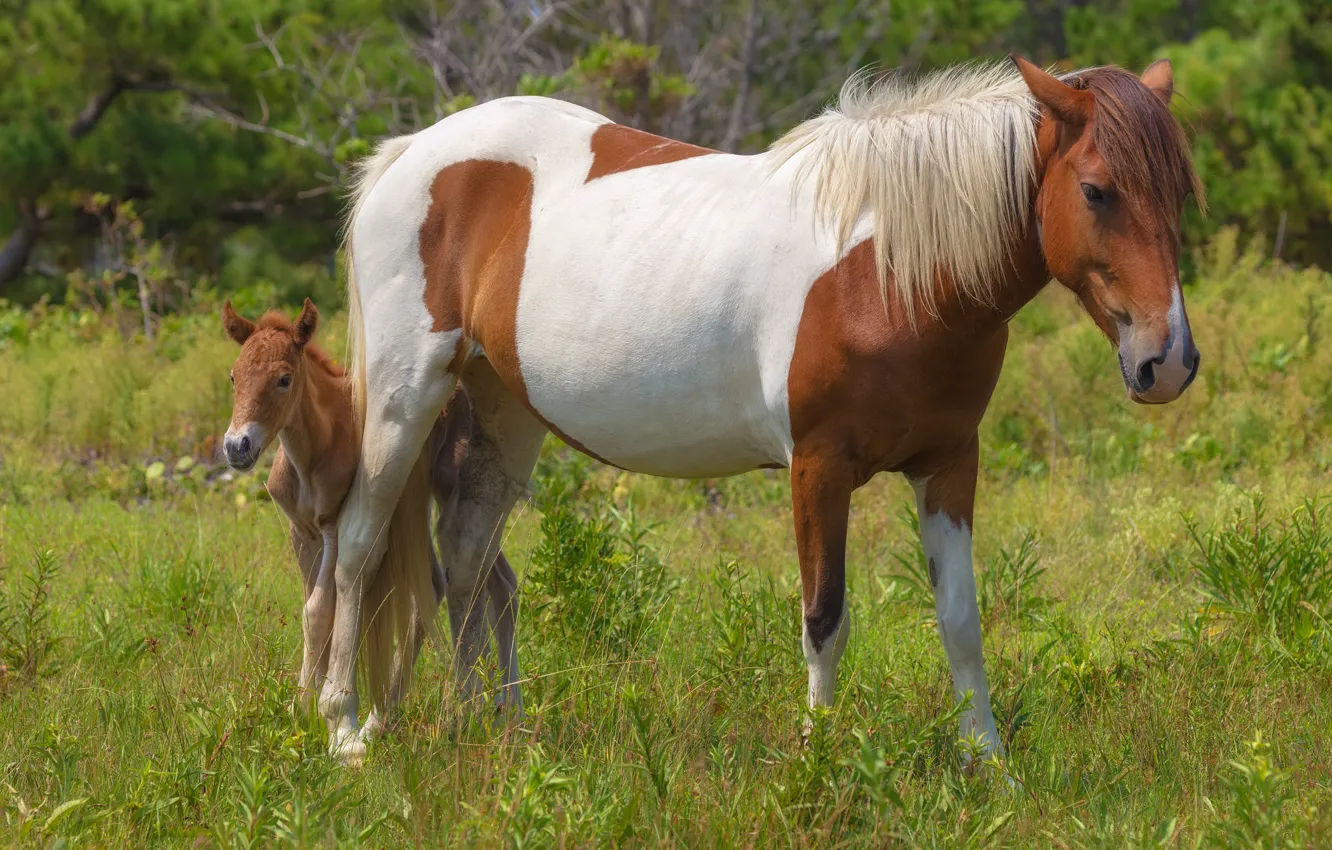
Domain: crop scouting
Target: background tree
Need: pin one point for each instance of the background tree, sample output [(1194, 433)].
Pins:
[(231, 124)]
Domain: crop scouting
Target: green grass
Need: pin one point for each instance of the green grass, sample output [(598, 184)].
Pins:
[(1155, 593)]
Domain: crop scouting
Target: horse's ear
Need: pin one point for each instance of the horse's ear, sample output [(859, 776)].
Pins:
[(238, 328), (306, 323), (1067, 104), (1160, 78)]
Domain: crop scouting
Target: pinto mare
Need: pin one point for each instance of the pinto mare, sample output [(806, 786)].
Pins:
[(837, 305), (287, 388)]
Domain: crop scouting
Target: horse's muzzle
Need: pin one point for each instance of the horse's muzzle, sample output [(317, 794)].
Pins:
[(1156, 374)]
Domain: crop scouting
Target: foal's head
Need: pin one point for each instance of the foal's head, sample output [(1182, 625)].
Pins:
[(1115, 173), (270, 365)]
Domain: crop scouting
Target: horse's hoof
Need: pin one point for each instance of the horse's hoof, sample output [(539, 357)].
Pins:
[(373, 728), (350, 751)]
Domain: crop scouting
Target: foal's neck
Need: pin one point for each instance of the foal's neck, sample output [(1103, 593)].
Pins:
[(315, 429)]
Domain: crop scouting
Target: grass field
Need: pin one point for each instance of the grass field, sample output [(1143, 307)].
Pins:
[(1156, 597)]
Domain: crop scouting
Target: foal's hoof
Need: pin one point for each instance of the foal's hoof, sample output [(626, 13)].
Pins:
[(349, 750)]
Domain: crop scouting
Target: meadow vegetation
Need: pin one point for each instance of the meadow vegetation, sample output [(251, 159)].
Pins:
[(1155, 589)]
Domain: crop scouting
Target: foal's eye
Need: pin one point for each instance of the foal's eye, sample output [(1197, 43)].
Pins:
[(232, 376), (1093, 194), (284, 381)]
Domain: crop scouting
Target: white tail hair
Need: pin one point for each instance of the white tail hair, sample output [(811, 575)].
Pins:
[(367, 174), (945, 167)]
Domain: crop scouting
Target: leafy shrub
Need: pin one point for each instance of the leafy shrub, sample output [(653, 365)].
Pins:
[(1261, 812), (1007, 587), (1271, 578), (751, 625), (26, 633), (593, 582)]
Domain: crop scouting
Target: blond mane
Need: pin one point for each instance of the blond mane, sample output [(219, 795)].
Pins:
[(944, 166)]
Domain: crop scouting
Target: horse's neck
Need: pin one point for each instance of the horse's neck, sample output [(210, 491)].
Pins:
[(1025, 271), (312, 433), (1025, 276)]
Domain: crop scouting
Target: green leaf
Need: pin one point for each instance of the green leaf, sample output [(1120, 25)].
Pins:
[(62, 810)]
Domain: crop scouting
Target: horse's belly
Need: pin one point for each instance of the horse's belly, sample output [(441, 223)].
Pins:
[(652, 408), (658, 311)]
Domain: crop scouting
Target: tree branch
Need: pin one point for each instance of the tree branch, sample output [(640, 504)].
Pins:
[(18, 248), (735, 126)]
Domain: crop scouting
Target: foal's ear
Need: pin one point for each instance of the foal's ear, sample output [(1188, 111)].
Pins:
[(1160, 78), (306, 323), (238, 328), (1067, 104)]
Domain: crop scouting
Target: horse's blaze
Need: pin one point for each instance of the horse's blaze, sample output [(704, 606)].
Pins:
[(617, 148), (473, 251)]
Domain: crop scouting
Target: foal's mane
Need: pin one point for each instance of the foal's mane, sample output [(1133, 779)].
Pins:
[(274, 320), (945, 167)]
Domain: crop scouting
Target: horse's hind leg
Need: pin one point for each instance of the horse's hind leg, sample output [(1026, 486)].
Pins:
[(406, 386), (502, 588), (504, 446)]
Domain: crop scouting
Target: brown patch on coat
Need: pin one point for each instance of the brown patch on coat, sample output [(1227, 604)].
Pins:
[(617, 148), (473, 250)]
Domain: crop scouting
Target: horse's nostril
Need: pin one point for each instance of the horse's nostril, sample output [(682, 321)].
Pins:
[(1146, 376), (245, 445), (1193, 370)]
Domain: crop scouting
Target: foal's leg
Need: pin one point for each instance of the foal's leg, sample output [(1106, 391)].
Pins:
[(945, 501), (308, 550), (320, 606), (820, 503), (405, 389)]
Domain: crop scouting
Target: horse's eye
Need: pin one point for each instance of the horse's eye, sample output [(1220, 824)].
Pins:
[(284, 381), (232, 376), (1093, 194)]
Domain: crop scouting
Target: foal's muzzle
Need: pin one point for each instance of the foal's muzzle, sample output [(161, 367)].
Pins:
[(243, 446)]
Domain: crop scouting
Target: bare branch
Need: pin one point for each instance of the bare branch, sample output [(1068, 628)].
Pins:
[(734, 128)]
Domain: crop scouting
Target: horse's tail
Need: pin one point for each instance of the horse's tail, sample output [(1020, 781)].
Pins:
[(368, 172), (400, 599)]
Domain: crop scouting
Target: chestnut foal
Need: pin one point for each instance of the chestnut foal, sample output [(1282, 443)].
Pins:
[(287, 387)]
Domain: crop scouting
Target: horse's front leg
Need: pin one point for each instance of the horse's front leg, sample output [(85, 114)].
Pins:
[(821, 488), (945, 501)]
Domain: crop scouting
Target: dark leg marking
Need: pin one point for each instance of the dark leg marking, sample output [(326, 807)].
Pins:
[(822, 621)]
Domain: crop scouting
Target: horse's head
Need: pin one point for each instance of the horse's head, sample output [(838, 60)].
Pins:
[(1115, 171), (271, 357)]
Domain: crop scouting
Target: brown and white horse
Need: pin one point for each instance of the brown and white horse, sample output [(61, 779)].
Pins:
[(837, 305), (287, 390)]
